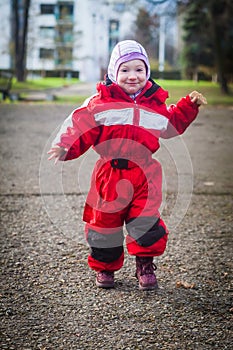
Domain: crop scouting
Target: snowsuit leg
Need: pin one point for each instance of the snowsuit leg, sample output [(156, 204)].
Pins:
[(104, 213), (107, 252), (117, 196), (147, 232)]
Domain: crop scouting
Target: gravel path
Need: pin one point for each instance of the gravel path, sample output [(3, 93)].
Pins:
[(48, 297)]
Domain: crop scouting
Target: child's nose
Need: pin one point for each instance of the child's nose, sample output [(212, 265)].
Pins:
[(132, 75)]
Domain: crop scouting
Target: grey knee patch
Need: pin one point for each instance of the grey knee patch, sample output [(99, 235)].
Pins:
[(145, 230), (105, 247), (99, 240)]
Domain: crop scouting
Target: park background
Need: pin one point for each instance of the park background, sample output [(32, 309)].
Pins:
[(48, 298), (185, 39)]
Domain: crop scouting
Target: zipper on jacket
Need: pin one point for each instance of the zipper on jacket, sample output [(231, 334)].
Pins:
[(136, 117)]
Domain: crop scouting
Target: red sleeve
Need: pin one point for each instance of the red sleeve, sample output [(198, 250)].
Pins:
[(77, 134), (180, 117)]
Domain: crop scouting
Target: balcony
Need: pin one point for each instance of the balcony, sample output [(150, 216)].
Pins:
[(64, 12)]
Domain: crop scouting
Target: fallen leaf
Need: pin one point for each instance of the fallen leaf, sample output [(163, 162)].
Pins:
[(185, 285)]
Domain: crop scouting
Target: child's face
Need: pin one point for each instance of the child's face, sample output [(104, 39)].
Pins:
[(131, 76)]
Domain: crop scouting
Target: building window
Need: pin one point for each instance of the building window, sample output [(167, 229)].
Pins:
[(113, 33), (64, 57), (47, 32), (46, 53), (47, 9), (65, 11), (119, 6), (64, 34)]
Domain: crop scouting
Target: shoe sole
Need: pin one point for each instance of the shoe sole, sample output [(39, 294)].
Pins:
[(102, 285), (148, 287)]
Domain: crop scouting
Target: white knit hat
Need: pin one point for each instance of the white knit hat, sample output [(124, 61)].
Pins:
[(125, 51)]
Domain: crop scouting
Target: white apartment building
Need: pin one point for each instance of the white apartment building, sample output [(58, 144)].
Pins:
[(5, 37), (73, 37)]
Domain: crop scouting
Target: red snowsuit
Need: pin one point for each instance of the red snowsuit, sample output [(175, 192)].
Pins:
[(126, 181)]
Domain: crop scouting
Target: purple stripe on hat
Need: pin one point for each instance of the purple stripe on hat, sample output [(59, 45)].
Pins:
[(129, 57)]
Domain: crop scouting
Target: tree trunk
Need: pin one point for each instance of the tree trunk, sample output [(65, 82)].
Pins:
[(220, 64), (20, 29), (219, 52)]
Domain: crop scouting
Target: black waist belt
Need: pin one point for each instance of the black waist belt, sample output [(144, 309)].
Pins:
[(119, 163)]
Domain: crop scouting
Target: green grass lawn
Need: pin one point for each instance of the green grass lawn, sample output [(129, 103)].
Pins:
[(211, 91), (42, 84), (176, 89)]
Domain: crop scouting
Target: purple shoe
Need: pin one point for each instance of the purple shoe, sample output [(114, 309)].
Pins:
[(105, 279), (145, 273)]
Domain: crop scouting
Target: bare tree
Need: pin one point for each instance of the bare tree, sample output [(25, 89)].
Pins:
[(20, 12)]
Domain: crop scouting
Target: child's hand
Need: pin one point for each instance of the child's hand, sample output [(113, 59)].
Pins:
[(56, 152), (197, 98)]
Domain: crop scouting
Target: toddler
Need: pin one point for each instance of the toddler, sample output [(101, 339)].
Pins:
[(123, 122)]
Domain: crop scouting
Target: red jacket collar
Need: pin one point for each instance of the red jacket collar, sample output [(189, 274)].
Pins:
[(151, 90)]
